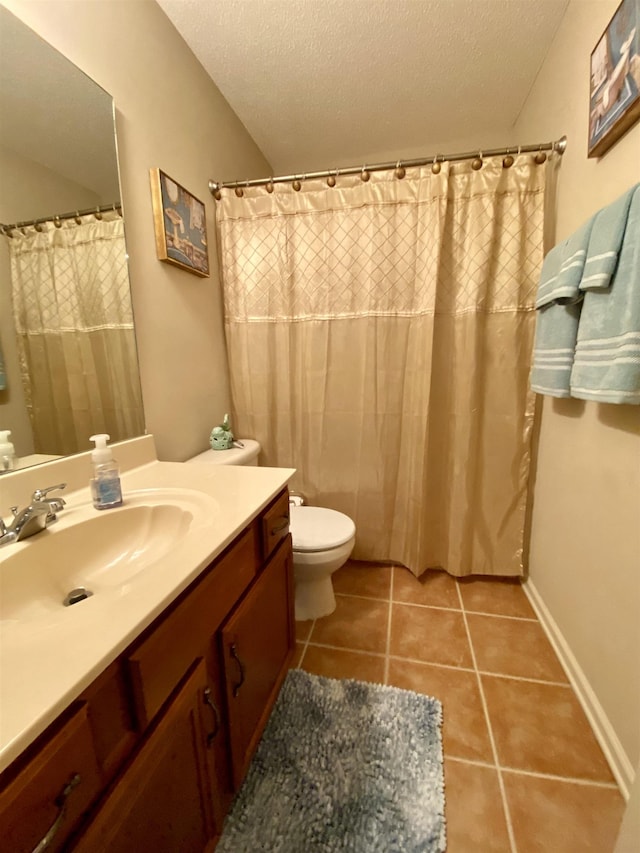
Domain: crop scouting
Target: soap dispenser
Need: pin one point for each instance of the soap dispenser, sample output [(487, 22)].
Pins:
[(106, 490), (8, 459)]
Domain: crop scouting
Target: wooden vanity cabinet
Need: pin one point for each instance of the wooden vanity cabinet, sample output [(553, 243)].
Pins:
[(53, 789), (163, 738), (162, 802), (256, 642)]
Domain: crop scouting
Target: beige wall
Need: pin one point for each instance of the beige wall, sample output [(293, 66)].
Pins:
[(169, 114), (585, 537)]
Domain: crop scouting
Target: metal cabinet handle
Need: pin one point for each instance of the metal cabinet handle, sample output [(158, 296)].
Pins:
[(208, 700), (280, 527), (61, 802), (234, 655)]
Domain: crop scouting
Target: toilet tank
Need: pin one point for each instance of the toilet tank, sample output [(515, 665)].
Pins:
[(246, 455)]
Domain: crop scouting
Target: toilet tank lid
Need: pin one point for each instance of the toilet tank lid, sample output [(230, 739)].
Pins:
[(232, 456), (316, 528)]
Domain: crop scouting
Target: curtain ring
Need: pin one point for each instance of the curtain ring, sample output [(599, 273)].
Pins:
[(6, 231), (540, 157), (296, 185), (507, 161), (365, 174), (269, 185), (331, 180), (238, 190), (436, 166), (57, 221), (98, 214), (77, 218), (476, 163), (400, 171)]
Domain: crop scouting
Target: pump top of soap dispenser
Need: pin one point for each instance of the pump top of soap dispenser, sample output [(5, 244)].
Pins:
[(4, 439), (101, 453)]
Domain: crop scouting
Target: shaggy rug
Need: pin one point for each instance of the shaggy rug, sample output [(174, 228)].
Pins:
[(343, 766)]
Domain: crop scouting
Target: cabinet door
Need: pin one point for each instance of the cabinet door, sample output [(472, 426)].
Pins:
[(162, 802), (257, 645), (43, 802)]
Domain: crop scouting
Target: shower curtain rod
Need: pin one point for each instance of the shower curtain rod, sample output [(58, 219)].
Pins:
[(57, 219), (559, 145)]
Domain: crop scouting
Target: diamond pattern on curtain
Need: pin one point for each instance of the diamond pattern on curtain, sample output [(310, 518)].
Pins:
[(379, 338)]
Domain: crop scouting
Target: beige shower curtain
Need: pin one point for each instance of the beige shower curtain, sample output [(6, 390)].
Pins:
[(379, 336), (74, 325)]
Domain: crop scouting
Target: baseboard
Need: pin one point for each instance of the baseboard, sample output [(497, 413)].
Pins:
[(621, 767)]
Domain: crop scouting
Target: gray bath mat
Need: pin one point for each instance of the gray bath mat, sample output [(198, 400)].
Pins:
[(343, 766)]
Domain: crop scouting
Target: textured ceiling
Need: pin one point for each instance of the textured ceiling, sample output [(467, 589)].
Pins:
[(324, 83)]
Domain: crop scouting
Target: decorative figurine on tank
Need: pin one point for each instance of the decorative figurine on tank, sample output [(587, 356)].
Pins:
[(221, 437)]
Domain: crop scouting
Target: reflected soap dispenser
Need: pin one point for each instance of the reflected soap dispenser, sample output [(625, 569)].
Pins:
[(106, 490), (8, 459)]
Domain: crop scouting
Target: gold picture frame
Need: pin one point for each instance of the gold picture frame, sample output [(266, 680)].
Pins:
[(180, 225), (614, 92)]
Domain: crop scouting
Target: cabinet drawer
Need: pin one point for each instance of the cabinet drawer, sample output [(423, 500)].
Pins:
[(275, 524), (160, 661), (52, 791)]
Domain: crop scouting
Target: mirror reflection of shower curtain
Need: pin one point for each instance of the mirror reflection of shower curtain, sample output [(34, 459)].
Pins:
[(74, 326), (379, 337)]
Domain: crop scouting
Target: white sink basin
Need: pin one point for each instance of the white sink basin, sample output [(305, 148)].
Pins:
[(103, 551)]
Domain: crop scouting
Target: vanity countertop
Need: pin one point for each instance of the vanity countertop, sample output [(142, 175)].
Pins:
[(46, 665)]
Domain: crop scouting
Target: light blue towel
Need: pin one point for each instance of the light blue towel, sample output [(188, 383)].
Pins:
[(563, 268), (558, 303), (607, 359), (605, 242)]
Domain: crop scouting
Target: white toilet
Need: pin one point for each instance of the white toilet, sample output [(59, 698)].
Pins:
[(323, 540)]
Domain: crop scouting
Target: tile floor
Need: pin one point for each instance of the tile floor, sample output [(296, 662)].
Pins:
[(523, 770)]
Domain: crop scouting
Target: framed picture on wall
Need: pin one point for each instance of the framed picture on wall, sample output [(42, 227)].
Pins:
[(180, 225), (614, 103)]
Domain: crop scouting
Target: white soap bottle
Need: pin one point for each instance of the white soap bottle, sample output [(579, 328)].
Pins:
[(8, 460), (106, 490)]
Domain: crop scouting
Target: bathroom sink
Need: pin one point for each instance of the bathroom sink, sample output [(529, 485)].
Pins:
[(104, 552)]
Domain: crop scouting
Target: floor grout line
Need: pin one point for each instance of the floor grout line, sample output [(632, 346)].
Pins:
[(306, 643), (387, 654), (494, 750), (524, 678), (574, 780), (438, 607)]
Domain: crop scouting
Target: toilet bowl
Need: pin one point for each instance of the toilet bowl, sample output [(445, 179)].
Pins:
[(323, 540)]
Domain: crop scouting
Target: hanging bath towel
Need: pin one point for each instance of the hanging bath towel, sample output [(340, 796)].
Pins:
[(607, 359), (559, 302)]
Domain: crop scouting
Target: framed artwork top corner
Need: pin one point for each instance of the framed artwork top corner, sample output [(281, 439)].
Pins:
[(614, 91)]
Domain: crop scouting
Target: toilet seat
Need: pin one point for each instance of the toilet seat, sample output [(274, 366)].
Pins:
[(315, 528)]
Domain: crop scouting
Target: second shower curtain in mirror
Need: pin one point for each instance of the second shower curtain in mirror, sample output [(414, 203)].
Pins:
[(379, 336), (74, 327)]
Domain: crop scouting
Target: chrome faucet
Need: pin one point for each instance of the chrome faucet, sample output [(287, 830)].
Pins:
[(32, 519)]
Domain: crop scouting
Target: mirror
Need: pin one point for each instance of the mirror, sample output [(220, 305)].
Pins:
[(68, 361)]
